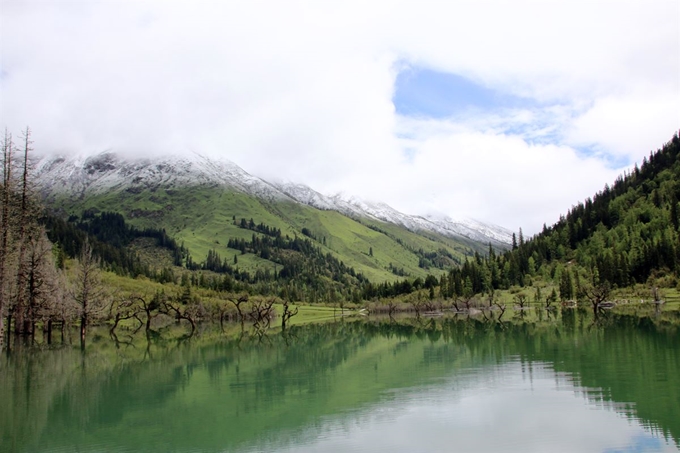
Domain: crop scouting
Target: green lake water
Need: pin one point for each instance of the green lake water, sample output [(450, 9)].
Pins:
[(437, 385)]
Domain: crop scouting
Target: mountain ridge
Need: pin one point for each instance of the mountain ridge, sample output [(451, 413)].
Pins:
[(108, 171)]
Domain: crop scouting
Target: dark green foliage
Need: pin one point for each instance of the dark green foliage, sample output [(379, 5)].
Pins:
[(307, 232), (440, 259), (566, 286), (110, 236), (396, 270), (624, 234), (388, 290)]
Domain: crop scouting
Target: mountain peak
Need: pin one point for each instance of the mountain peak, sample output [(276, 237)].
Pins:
[(110, 171)]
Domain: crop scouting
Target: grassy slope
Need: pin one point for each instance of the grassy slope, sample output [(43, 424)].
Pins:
[(202, 217)]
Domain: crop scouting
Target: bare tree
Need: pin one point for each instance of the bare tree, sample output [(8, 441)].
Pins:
[(494, 301), (417, 305), (521, 299), (88, 290), (7, 148), (22, 324), (190, 310), (64, 309), (238, 301), (391, 308), (596, 293), (463, 303), (42, 280), (287, 314), (122, 309), (135, 304), (261, 312)]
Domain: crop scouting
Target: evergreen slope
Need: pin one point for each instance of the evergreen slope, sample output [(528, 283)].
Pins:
[(625, 234)]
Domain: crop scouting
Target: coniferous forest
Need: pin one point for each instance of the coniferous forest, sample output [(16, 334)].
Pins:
[(623, 235)]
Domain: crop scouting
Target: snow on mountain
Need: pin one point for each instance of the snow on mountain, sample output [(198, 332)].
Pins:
[(356, 207), (109, 171), (81, 175), (472, 229)]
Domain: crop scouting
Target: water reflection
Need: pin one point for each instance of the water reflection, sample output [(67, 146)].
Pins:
[(360, 386), (496, 410)]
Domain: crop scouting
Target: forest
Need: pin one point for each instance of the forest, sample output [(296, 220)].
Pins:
[(625, 234)]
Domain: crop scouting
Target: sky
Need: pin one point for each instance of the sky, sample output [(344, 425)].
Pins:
[(509, 112)]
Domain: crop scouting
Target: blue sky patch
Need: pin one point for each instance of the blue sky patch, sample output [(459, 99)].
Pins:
[(612, 160), (639, 444), (428, 93)]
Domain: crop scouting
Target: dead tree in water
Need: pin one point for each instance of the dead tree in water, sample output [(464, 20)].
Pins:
[(237, 303), (287, 314), (7, 148), (521, 300), (494, 301), (149, 306), (417, 305), (463, 303), (179, 312), (22, 323), (596, 294), (123, 309), (391, 308), (88, 291), (261, 313)]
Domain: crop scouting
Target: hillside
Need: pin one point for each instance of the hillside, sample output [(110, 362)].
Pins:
[(201, 202), (627, 233)]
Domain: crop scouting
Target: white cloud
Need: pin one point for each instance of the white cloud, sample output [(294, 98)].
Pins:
[(493, 176), (623, 125), (302, 91)]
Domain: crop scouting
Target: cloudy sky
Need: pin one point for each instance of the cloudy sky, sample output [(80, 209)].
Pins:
[(505, 111)]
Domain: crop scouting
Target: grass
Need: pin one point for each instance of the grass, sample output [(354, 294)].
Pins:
[(203, 219), (310, 314)]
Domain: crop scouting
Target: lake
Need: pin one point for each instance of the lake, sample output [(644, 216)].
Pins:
[(428, 385)]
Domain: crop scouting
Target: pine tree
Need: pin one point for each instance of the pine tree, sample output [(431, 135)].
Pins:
[(566, 286), (675, 217)]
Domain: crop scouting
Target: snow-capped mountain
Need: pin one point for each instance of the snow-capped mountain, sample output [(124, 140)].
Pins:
[(81, 175), (109, 171)]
